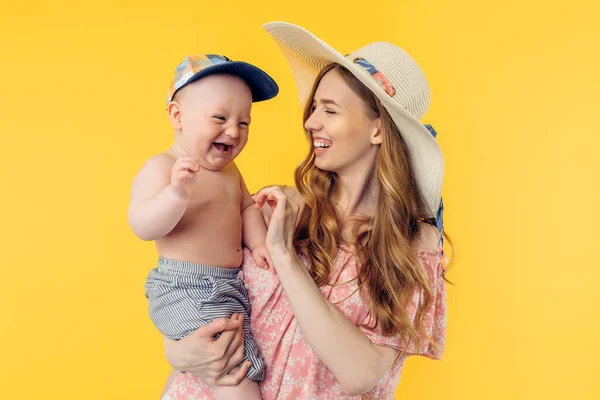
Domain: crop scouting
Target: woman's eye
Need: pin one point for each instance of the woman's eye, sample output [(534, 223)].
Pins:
[(330, 111)]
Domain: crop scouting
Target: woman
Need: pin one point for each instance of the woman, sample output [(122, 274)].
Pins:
[(358, 283)]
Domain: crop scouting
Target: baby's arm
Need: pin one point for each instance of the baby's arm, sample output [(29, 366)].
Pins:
[(247, 389), (254, 230), (160, 195)]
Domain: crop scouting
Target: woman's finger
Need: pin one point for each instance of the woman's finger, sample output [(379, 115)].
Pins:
[(234, 378), (235, 352), (264, 192), (236, 343), (276, 194), (234, 361), (264, 196), (225, 341), (259, 200), (209, 330), (278, 201)]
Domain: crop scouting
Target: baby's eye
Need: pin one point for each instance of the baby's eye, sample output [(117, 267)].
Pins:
[(244, 124), (219, 117)]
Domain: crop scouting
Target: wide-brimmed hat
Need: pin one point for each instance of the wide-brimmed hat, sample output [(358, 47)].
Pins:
[(394, 77)]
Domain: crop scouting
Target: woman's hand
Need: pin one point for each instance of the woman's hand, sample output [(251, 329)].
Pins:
[(280, 233), (208, 359)]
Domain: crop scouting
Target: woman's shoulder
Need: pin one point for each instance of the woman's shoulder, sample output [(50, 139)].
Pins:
[(428, 238), (292, 193)]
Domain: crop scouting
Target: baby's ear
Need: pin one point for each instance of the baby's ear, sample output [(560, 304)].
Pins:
[(174, 110)]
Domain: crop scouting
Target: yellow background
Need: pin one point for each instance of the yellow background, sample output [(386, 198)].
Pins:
[(515, 99)]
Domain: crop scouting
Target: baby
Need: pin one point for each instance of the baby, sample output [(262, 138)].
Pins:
[(192, 201)]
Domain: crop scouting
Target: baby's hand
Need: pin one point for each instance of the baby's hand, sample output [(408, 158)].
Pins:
[(183, 172), (261, 256)]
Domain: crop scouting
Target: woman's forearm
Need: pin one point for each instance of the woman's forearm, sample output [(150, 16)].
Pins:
[(357, 363)]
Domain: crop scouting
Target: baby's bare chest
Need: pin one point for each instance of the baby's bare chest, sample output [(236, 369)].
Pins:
[(216, 190)]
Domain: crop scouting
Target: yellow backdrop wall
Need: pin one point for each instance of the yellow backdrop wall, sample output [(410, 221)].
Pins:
[(515, 95)]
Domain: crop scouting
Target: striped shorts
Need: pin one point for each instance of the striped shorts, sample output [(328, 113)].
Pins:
[(183, 296)]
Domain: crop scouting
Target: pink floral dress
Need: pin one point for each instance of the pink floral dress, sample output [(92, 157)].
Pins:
[(293, 370)]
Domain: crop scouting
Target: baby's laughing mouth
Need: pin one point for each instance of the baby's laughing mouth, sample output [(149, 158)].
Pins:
[(223, 148)]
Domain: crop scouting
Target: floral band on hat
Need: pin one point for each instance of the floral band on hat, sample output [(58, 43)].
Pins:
[(377, 75)]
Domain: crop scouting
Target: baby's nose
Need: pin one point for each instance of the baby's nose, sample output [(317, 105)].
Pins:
[(233, 132)]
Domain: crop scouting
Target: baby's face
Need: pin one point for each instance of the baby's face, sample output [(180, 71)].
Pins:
[(215, 118)]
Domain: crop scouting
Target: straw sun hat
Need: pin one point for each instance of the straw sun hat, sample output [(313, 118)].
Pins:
[(394, 77)]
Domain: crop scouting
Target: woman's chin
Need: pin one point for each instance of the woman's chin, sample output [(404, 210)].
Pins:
[(323, 165), (326, 167)]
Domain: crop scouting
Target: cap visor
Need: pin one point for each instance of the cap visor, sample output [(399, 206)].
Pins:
[(262, 86)]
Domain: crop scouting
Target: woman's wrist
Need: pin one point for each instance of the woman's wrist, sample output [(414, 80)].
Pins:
[(283, 256)]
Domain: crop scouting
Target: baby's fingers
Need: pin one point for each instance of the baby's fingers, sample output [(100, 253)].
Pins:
[(189, 165), (183, 176), (260, 260)]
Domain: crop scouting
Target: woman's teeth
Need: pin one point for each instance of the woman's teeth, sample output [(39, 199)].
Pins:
[(322, 144)]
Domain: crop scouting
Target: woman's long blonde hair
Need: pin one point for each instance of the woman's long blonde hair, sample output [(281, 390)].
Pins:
[(388, 266)]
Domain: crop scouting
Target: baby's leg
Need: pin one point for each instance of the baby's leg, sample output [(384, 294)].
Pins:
[(246, 389), (172, 376)]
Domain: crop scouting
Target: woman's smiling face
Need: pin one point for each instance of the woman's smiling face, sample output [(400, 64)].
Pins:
[(343, 129)]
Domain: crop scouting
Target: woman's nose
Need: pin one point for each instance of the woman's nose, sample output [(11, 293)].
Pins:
[(313, 124)]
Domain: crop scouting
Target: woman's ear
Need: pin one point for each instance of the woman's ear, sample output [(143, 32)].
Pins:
[(174, 110), (376, 132)]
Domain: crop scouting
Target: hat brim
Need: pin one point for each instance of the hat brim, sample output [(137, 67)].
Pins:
[(308, 55), (262, 86)]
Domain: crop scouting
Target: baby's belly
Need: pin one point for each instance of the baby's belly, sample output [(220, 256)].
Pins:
[(216, 242)]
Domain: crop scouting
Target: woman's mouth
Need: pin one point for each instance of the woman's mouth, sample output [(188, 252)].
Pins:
[(321, 145)]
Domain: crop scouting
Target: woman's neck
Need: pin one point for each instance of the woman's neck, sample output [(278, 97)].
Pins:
[(357, 193)]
